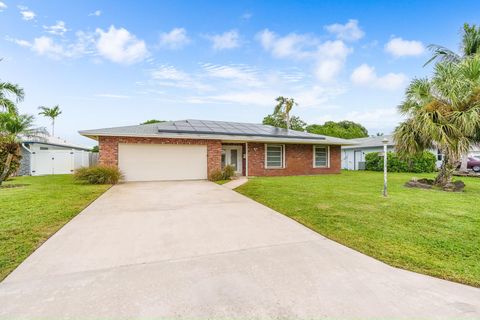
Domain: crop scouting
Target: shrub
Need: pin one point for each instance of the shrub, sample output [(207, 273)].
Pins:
[(225, 174), (424, 162), (98, 175)]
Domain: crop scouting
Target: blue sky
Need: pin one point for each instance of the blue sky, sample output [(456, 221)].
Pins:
[(112, 63)]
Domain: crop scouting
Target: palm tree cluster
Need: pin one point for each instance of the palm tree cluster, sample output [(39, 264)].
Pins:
[(443, 111)]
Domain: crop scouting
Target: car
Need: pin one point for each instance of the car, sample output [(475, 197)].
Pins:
[(474, 164)]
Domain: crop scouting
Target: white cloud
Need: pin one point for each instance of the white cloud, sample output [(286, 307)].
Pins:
[(241, 73), (58, 28), (3, 6), (348, 32), (227, 40), (112, 96), (246, 16), (400, 48), (96, 13), (119, 45), (328, 57), (26, 13), (166, 72), (174, 39), (365, 75), (47, 46)]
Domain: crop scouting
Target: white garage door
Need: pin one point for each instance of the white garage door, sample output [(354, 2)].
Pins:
[(153, 162)]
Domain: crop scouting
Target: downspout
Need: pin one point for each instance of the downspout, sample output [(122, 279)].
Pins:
[(246, 159)]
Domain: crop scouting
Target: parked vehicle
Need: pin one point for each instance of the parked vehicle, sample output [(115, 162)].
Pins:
[(474, 164)]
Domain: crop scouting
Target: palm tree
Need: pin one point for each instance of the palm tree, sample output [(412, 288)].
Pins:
[(283, 108), (470, 46), (12, 127), (442, 112), (51, 113), (8, 90)]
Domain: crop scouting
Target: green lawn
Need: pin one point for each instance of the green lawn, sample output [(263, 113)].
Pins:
[(426, 231), (31, 214)]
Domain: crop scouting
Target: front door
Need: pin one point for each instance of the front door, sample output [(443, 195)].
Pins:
[(232, 155)]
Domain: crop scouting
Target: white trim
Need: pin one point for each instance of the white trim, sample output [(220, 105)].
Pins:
[(283, 155), (314, 155)]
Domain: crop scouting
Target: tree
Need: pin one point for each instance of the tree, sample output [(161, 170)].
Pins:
[(343, 129), (51, 113), (442, 112), (277, 120), (470, 46), (12, 127), (283, 108), (152, 121), (8, 90), (95, 148)]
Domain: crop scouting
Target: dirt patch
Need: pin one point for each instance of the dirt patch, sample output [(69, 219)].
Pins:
[(9, 186)]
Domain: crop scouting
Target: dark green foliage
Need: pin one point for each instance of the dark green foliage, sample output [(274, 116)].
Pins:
[(9, 146), (424, 162), (277, 120), (152, 121), (95, 149), (98, 175), (343, 129)]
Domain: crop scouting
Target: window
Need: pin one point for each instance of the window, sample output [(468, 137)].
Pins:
[(320, 156), (274, 156), (439, 155)]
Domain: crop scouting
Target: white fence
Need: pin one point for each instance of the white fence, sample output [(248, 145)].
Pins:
[(58, 161)]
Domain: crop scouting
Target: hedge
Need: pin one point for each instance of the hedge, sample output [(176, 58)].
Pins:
[(424, 162)]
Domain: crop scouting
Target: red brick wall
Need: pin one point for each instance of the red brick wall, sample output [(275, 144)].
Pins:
[(109, 148), (298, 157), (298, 161)]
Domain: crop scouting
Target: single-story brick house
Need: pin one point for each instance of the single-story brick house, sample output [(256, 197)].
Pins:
[(193, 149)]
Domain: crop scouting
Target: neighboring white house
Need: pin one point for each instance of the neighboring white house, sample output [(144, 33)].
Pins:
[(49, 155), (353, 157)]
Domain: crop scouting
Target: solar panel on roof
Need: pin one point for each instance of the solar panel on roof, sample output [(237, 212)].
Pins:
[(231, 128)]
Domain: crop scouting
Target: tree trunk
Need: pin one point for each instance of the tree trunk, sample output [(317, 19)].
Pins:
[(446, 171), (53, 127), (288, 120), (6, 167), (464, 165)]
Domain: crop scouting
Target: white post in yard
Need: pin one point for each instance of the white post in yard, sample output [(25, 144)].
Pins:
[(385, 142)]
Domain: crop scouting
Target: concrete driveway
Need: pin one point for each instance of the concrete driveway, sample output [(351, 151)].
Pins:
[(198, 250)]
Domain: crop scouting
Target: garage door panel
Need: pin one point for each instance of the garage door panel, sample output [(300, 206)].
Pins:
[(153, 162)]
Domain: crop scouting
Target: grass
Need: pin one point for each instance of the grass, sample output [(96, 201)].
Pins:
[(426, 231), (30, 214)]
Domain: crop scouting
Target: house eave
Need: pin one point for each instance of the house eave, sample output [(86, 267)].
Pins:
[(223, 138)]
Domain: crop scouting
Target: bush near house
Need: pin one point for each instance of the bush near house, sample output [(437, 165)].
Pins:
[(424, 162), (220, 175), (98, 175)]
